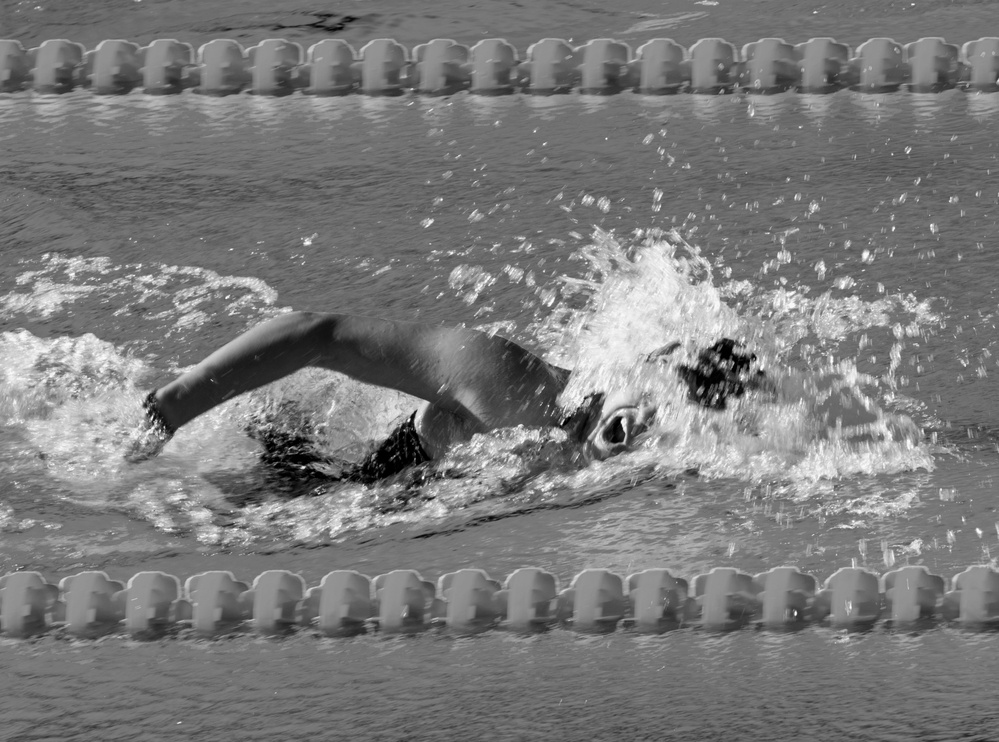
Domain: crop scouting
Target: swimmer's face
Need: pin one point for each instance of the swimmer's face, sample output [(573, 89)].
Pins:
[(616, 427)]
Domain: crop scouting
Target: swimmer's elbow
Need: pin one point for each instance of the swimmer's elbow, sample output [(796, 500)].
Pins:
[(308, 321), (294, 339), (320, 333), (335, 341)]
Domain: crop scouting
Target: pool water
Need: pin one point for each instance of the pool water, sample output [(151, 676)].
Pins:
[(848, 233), (744, 685)]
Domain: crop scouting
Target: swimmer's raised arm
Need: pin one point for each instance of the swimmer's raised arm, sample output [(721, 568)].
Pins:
[(485, 381)]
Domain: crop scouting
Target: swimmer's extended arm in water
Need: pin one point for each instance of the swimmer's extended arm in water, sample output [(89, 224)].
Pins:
[(483, 381)]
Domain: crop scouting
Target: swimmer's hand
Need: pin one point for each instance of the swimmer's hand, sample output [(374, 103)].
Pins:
[(152, 437)]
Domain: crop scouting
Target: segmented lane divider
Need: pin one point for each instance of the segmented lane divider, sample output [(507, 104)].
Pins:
[(347, 603), (494, 67)]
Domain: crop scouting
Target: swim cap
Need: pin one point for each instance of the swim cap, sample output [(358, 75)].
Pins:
[(721, 371)]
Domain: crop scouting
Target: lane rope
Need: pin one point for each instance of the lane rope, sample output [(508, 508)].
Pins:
[(347, 603), (331, 67)]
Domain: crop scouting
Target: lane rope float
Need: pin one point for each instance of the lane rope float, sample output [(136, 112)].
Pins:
[(331, 67), (346, 602)]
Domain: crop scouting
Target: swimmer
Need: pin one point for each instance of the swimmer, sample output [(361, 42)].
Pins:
[(471, 382)]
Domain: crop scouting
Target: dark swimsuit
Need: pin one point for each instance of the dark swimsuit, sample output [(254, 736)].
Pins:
[(400, 450)]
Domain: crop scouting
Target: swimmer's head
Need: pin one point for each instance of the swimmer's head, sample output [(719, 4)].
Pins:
[(610, 424)]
